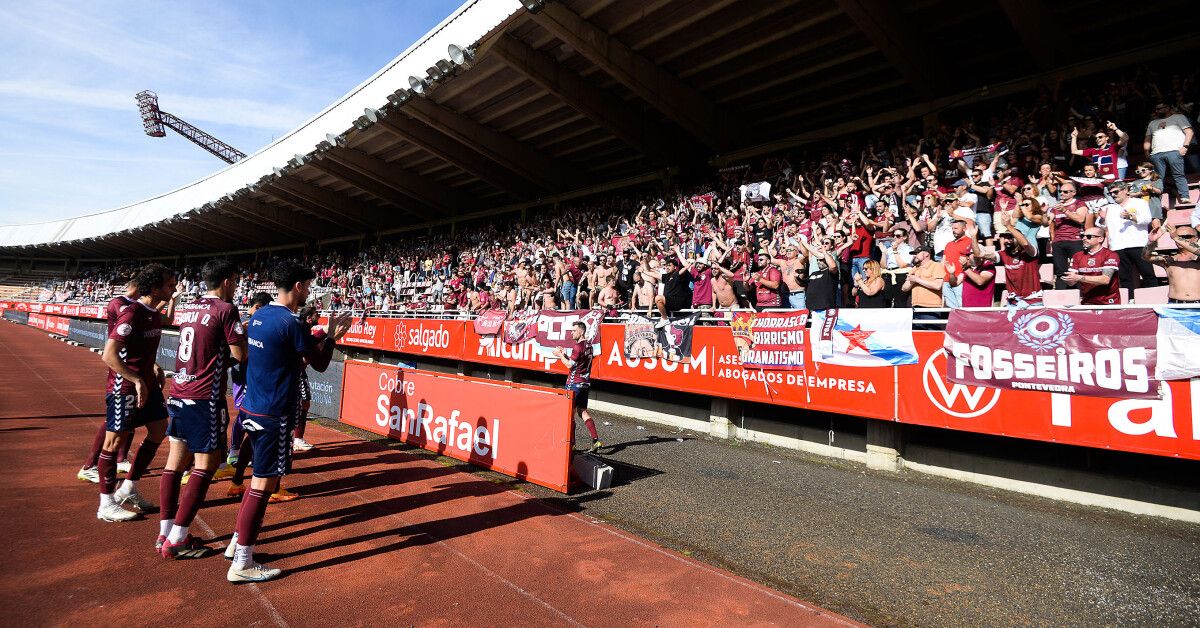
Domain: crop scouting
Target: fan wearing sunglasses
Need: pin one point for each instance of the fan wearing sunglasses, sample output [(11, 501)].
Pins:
[(1094, 271), (1183, 267)]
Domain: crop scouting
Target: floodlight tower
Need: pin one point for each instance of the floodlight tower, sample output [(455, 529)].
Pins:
[(154, 119)]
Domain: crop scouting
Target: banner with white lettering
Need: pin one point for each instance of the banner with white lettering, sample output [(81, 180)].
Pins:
[(770, 340), (553, 329), (1102, 353)]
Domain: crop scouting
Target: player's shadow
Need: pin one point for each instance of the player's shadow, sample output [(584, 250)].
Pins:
[(84, 415), (419, 534), (27, 428)]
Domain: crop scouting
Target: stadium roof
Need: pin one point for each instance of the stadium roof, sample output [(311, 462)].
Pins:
[(570, 97)]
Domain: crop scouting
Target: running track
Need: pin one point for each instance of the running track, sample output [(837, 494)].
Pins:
[(380, 537)]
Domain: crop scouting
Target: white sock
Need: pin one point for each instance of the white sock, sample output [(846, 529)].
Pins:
[(106, 500), (243, 555), (164, 526), (128, 487), (178, 534)]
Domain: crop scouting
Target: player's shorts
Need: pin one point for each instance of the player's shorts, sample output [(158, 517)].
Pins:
[(121, 413), (581, 395), (200, 423), (271, 439)]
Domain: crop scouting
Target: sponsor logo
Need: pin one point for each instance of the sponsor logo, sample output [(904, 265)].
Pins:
[(124, 329), (959, 400), (239, 329), (1043, 332), (421, 337), (182, 376)]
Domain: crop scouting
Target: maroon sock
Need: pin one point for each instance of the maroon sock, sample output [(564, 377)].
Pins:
[(143, 458), (97, 445), (168, 493), (300, 426), (591, 428), (193, 497), (106, 466), (123, 447), (244, 454), (250, 516)]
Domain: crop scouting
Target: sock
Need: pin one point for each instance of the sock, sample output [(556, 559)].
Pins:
[(143, 458), (123, 447), (591, 428), (164, 526), (250, 516), (106, 467), (177, 534), (106, 499), (193, 497), (97, 445), (243, 460), (243, 555), (168, 495), (300, 425)]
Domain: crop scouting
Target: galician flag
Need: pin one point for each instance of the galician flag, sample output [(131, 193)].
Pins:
[(1178, 344), (866, 337)]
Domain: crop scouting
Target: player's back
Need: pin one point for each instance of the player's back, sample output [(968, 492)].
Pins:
[(207, 327), (276, 342)]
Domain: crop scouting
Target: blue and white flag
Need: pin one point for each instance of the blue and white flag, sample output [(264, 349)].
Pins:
[(1178, 344), (867, 337)]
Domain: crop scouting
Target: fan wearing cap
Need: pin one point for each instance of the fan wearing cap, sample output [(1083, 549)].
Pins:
[(1183, 267), (1127, 223)]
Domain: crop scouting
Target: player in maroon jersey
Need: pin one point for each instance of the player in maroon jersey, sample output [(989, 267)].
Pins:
[(88, 472), (211, 337), (134, 392), (578, 360)]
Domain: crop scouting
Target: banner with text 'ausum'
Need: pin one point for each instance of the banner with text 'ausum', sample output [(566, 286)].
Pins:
[(523, 431)]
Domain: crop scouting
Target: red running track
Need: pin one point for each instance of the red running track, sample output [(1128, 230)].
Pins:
[(379, 537)]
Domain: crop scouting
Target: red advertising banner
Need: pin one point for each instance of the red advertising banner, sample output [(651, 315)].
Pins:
[(523, 431), (770, 340), (1102, 353), (82, 311), (53, 324), (416, 336), (489, 322), (714, 368), (1167, 427)]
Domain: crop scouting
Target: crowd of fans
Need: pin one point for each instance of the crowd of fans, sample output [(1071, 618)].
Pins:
[(1079, 182)]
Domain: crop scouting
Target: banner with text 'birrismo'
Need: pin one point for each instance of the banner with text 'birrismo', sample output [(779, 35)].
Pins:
[(522, 431)]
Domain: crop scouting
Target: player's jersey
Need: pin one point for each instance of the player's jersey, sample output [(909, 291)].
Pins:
[(1086, 263), (581, 373), (277, 341), (114, 307), (138, 328), (207, 327)]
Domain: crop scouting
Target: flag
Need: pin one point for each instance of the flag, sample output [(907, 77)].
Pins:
[(671, 342), (867, 337), (488, 323), (756, 192), (1178, 344), (520, 326)]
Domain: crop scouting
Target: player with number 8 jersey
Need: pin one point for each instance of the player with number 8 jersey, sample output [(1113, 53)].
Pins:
[(211, 338)]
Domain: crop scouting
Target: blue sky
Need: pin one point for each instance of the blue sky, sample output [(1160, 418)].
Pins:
[(71, 139)]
